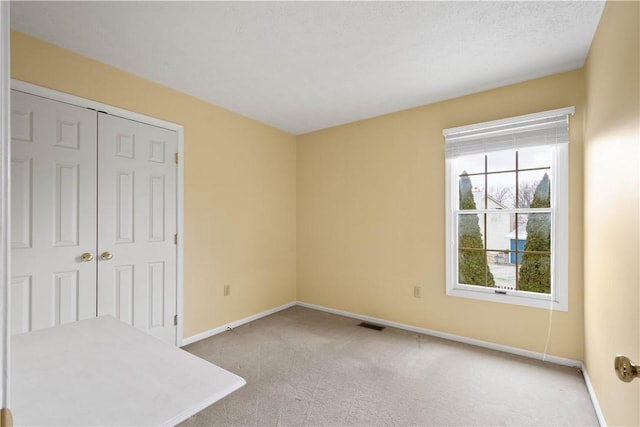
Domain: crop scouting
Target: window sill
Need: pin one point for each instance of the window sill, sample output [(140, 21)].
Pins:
[(510, 297)]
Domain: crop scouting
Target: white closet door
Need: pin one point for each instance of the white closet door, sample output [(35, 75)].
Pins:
[(53, 212), (136, 224)]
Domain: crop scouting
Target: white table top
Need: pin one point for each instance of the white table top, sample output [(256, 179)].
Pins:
[(104, 372)]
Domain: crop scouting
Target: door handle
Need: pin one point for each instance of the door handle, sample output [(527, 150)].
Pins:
[(86, 257), (626, 369), (106, 256)]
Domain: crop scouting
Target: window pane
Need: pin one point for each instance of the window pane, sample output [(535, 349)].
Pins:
[(504, 273), (519, 233), (534, 232), (499, 230), (517, 239), (470, 231), (501, 161), (479, 198), (534, 157), (471, 190), (501, 194), (473, 269), (534, 258), (532, 184), (535, 273), (471, 164)]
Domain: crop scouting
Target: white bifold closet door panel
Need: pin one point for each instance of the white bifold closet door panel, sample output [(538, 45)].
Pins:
[(53, 212), (137, 178)]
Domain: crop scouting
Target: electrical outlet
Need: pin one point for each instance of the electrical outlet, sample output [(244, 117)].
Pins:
[(227, 290), (417, 291)]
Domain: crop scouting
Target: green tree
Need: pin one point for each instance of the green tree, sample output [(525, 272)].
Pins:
[(535, 270), (472, 263)]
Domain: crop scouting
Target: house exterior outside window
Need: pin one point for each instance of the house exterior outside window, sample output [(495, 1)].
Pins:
[(507, 210)]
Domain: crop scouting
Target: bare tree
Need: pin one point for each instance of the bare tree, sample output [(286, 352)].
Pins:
[(507, 196), (526, 190), (503, 195)]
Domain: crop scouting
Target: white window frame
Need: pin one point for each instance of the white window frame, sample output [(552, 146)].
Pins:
[(558, 299)]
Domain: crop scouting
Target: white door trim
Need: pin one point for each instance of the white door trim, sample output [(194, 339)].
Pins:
[(179, 129), (5, 238)]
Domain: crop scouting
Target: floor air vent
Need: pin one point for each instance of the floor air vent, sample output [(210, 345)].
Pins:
[(371, 326)]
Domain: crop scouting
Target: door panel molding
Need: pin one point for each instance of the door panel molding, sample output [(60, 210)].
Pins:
[(65, 140)]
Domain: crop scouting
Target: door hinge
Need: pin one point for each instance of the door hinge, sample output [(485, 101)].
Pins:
[(175, 239), (177, 158), (175, 320)]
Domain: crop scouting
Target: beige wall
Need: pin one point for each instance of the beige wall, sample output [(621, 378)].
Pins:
[(612, 209), (240, 185), (371, 219)]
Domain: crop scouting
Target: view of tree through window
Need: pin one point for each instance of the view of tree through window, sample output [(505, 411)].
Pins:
[(472, 264), (504, 220)]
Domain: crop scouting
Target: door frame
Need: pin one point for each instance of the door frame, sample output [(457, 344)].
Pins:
[(179, 129), (5, 210)]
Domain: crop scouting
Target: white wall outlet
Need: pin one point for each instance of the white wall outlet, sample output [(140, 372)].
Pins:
[(417, 291), (227, 290)]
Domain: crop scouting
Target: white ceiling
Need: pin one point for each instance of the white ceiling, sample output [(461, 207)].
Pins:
[(303, 66)]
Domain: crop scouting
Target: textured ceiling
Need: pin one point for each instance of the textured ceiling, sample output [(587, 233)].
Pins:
[(303, 66)]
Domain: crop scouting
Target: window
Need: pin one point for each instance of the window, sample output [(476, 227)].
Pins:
[(507, 210)]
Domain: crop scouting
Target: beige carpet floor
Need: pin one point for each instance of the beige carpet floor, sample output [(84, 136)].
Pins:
[(305, 368)]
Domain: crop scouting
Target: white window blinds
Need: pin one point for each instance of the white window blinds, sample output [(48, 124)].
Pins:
[(545, 128)]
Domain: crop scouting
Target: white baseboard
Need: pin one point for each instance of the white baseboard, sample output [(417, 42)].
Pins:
[(479, 343), (594, 399), (451, 337), (235, 324)]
